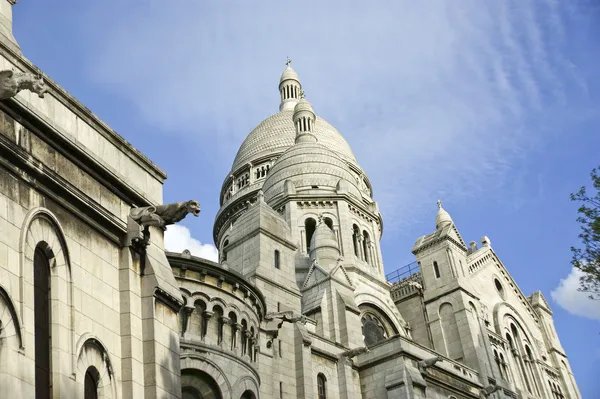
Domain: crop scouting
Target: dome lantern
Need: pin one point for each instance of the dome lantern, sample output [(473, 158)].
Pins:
[(289, 87), (304, 120)]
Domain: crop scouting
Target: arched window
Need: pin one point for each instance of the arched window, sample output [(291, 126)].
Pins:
[(355, 240), (309, 226), (366, 246), (233, 324), (248, 394), (276, 260), (244, 336), (322, 386), (436, 269), (497, 360), (224, 251), (328, 223), (376, 325), (504, 367), (218, 316), (196, 384), (42, 317), (90, 384)]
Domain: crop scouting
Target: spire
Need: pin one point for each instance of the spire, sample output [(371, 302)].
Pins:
[(324, 246), (304, 120), (289, 87), (442, 218)]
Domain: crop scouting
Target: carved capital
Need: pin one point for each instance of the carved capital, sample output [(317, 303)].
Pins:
[(208, 314)]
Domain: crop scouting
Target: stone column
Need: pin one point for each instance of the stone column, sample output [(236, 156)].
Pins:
[(132, 367), (206, 316), (344, 366), (225, 321), (304, 370), (235, 328), (247, 336), (361, 252), (187, 312)]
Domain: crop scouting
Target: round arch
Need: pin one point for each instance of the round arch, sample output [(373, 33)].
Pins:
[(502, 310), (191, 361), (41, 228), (392, 314), (246, 386), (94, 354)]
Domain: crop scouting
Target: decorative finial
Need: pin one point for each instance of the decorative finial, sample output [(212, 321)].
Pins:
[(320, 218), (439, 204), (301, 93), (288, 62)]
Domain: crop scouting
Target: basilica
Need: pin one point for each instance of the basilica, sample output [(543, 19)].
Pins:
[(298, 306)]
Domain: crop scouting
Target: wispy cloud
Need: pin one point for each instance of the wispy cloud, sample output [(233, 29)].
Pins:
[(178, 238), (566, 294), (451, 97)]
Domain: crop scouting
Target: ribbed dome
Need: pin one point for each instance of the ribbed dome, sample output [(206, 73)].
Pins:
[(324, 246), (312, 168), (442, 219), (289, 73), (277, 133), (303, 105)]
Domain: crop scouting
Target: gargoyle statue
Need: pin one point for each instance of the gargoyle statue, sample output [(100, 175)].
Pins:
[(288, 316), (490, 389), (415, 284), (350, 353), (276, 319), (164, 215), (426, 363), (13, 82)]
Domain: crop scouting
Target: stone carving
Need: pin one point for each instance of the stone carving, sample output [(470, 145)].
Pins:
[(350, 353), (276, 319), (288, 316), (415, 284), (426, 363), (13, 82), (164, 215), (490, 389)]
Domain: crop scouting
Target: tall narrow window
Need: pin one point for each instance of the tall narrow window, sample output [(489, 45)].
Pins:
[(355, 235), (436, 269), (322, 386), (42, 318), (224, 251), (309, 226), (90, 384), (367, 246), (276, 260)]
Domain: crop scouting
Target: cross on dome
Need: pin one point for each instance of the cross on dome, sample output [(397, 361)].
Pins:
[(439, 203), (288, 62)]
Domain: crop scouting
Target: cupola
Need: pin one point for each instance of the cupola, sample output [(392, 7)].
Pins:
[(304, 120), (289, 87), (324, 246), (442, 218)]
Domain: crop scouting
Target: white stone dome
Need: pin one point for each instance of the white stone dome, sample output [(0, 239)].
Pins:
[(312, 168), (277, 133), (288, 74)]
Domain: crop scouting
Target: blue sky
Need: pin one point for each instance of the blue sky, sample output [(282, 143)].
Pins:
[(492, 107)]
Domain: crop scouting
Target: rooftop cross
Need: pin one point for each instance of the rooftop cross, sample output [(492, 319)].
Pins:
[(301, 93), (288, 62), (439, 204)]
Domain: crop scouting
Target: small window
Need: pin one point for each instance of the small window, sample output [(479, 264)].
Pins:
[(436, 269), (90, 384), (322, 386), (309, 225), (499, 288), (276, 260)]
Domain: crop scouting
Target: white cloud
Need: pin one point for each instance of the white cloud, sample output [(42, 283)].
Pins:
[(574, 301), (449, 96), (178, 238)]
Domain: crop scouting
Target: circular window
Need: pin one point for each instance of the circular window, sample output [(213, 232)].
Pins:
[(499, 287)]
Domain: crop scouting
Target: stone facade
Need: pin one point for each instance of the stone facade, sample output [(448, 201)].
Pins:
[(298, 305)]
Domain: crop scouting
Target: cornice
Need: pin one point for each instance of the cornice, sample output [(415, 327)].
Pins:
[(37, 175), (60, 143)]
